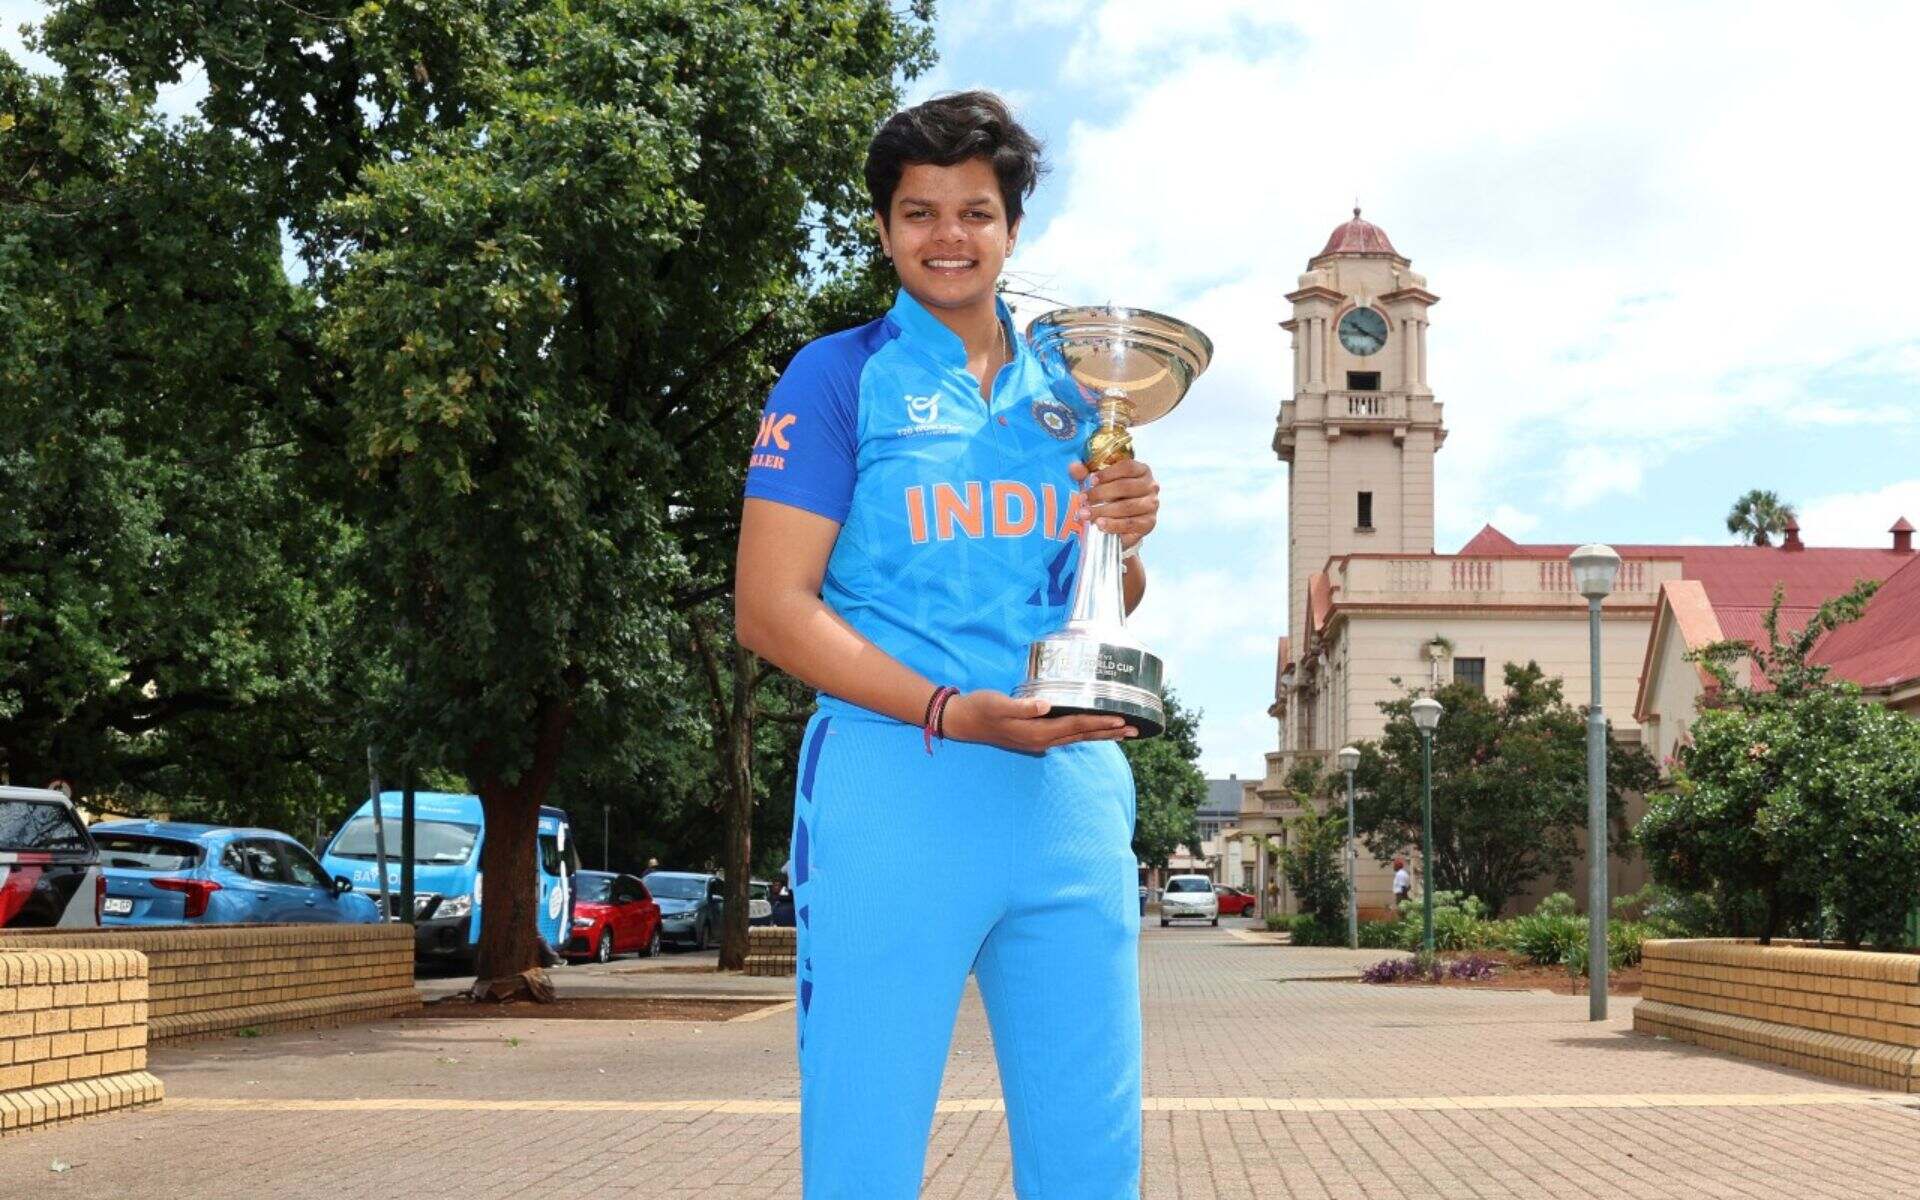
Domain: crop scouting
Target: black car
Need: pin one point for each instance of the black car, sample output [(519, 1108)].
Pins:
[(49, 868)]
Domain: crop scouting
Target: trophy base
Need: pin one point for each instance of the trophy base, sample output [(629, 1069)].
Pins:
[(1142, 709), (1089, 669)]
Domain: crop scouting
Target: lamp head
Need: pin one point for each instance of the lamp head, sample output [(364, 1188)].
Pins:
[(1347, 757), (1594, 569), (1426, 714)]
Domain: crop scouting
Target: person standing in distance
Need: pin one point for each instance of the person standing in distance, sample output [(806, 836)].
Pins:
[(914, 504)]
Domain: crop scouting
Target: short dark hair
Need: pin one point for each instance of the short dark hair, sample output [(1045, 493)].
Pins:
[(951, 129)]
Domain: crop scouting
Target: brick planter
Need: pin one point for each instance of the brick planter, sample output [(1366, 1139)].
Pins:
[(222, 978), (1847, 1014), (73, 1035), (770, 950)]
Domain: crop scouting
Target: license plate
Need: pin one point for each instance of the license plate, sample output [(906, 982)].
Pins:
[(117, 907)]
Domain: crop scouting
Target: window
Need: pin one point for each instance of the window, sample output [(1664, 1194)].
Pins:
[(434, 842), (146, 853), (40, 825), (261, 862), (1363, 381), (1471, 671), (299, 867), (1364, 518)]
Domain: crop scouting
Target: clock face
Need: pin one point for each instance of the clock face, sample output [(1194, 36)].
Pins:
[(1363, 331)]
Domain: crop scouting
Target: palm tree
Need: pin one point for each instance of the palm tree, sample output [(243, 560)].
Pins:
[(1758, 516)]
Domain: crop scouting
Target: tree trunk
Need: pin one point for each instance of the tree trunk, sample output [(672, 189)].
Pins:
[(511, 964), (738, 748), (509, 926)]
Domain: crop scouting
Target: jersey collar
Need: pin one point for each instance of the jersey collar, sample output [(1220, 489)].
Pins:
[(927, 333)]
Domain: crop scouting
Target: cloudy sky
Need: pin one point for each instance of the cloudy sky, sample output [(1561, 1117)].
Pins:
[(1669, 244), (1670, 241)]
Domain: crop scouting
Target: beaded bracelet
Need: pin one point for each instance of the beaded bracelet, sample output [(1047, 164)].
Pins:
[(934, 723)]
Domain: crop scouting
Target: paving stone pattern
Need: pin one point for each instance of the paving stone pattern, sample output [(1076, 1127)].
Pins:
[(1264, 1077)]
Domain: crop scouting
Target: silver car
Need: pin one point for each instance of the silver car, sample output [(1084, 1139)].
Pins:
[(1189, 898)]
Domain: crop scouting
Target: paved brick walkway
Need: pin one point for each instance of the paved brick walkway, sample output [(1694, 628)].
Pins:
[(1267, 1075)]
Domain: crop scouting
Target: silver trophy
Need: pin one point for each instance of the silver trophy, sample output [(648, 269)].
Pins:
[(1132, 366)]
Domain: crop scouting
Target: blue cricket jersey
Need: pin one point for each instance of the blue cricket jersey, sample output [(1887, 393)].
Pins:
[(958, 537)]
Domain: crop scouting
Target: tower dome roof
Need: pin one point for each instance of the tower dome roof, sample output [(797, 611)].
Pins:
[(1359, 237)]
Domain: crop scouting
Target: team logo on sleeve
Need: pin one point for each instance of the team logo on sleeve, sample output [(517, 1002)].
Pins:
[(1056, 418), (770, 444)]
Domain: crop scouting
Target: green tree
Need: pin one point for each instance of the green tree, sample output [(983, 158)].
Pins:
[(1168, 787), (1312, 862), (547, 243), (1758, 517), (174, 623), (1794, 802), (1509, 784)]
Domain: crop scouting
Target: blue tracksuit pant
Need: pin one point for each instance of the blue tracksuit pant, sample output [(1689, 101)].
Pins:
[(911, 870)]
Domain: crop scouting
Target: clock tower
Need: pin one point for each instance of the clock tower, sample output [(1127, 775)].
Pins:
[(1361, 428)]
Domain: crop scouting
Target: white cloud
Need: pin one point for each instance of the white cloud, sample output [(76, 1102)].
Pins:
[(1859, 518), (1645, 245)]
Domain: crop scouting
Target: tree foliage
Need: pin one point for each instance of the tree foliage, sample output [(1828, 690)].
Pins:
[(555, 255), (1794, 802), (1316, 842), (1168, 787), (1509, 784), (1758, 517)]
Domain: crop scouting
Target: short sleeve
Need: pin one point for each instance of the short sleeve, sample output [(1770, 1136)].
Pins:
[(806, 450)]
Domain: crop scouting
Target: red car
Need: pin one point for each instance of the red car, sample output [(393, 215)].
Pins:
[(612, 914), (1233, 901)]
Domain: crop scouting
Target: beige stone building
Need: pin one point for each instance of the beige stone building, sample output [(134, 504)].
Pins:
[(1373, 608)]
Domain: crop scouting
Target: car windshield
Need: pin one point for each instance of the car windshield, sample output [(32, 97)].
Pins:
[(138, 853), (593, 888), (1188, 885), (677, 887), (39, 825), (439, 842)]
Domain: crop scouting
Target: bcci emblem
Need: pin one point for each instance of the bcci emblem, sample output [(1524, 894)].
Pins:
[(1056, 418), (923, 410)]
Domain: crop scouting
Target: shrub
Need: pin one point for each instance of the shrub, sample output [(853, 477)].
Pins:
[(1311, 862), (1432, 970), (1557, 905), (1459, 923), (1624, 942), (1544, 939), (1380, 935), (1278, 922)]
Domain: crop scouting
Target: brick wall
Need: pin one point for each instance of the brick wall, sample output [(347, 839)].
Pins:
[(222, 978), (770, 950), (73, 1034), (1848, 1014)]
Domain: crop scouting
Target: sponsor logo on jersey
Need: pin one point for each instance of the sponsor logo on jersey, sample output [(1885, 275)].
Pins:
[(923, 410), (1059, 420), (773, 433), (1001, 508)]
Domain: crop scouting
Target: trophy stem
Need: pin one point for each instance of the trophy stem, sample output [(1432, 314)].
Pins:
[(1099, 595)]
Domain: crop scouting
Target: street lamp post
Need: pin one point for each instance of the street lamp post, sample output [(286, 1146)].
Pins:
[(1426, 716), (1594, 570), (1349, 758)]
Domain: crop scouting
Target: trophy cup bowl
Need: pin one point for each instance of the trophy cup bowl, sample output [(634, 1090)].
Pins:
[(1133, 367)]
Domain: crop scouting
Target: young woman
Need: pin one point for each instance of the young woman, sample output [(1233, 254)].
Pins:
[(912, 518)]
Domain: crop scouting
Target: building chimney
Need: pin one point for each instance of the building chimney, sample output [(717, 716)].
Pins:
[(1793, 541), (1902, 536)]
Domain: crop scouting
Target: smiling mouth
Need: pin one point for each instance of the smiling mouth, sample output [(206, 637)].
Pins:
[(949, 264)]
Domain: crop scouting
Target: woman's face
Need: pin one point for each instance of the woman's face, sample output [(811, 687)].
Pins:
[(947, 233)]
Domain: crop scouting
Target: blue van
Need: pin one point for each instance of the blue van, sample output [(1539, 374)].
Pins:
[(448, 833)]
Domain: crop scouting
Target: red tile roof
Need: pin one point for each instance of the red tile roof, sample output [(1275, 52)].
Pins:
[(1358, 237), (1739, 583), (1882, 648)]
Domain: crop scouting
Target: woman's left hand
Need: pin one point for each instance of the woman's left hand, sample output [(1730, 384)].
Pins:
[(1123, 498)]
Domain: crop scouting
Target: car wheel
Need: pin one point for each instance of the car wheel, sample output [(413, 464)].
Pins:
[(1215, 921), (603, 949), (1163, 922), (703, 937), (653, 945)]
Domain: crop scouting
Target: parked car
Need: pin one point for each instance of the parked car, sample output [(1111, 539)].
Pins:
[(1233, 901), (1189, 898), (49, 869), (449, 832), (612, 915), (172, 873), (690, 906)]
